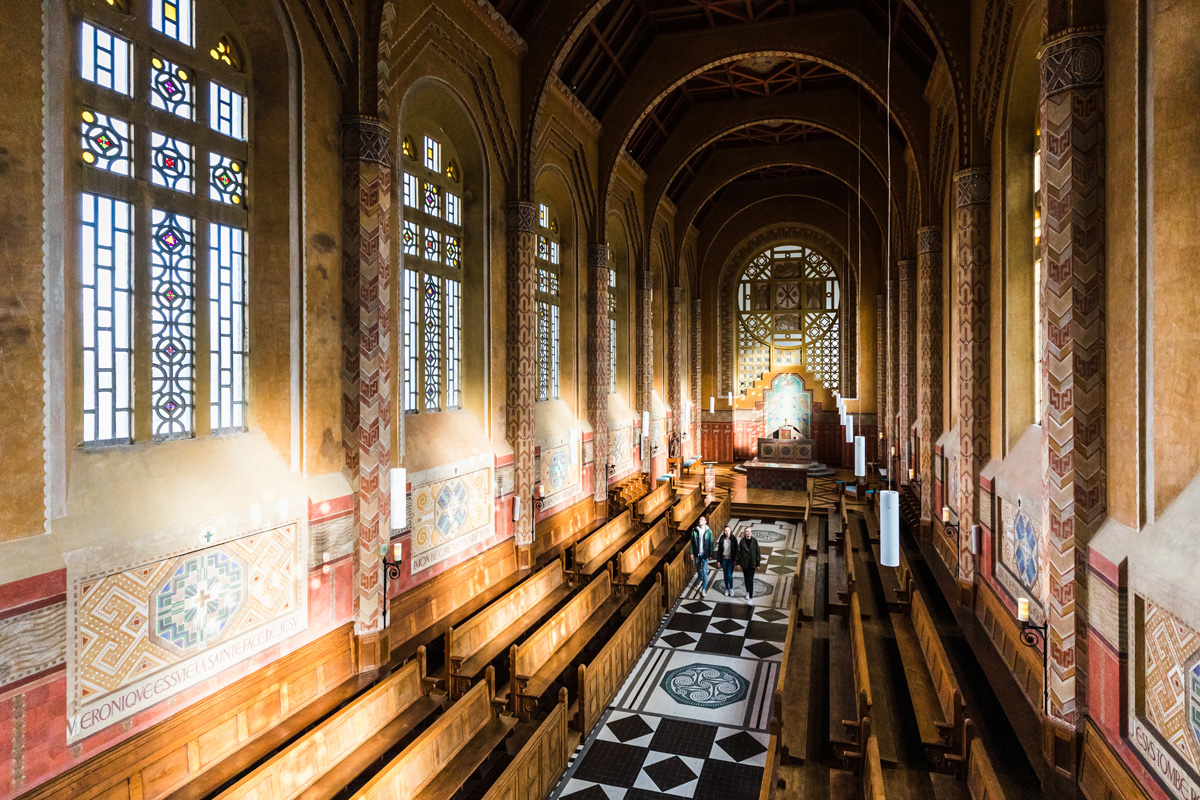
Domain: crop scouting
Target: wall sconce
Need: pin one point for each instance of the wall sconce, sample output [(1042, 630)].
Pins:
[(946, 523), (914, 481), (391, 572), (1031, 636), (538, 500)]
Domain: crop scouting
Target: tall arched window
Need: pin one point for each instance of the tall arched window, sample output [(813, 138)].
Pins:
[(612, 328), (432, 284), (160, 136), (1037, 278), (548, 265), (789, 302)]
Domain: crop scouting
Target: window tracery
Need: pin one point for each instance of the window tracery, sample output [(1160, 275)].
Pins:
[(789, 314), (145, 222), (547, 296)]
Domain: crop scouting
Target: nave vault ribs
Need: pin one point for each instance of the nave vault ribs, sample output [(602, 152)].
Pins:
[(141, 633)]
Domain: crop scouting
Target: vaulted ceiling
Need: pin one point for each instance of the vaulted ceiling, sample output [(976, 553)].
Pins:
[(716, 99)]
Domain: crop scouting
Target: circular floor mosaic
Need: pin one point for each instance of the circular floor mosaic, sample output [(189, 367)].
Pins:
[(761, 587), (767, 536), (705, 686)]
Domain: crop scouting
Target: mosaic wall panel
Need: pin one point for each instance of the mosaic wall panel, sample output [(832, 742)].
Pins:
[(620, 447), (787, 403), (1073, 429), (1172, 681), (452, 509), (560, 472), (1018, 564), (141, 633)]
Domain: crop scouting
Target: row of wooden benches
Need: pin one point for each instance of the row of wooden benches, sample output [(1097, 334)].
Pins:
[(339, 752)]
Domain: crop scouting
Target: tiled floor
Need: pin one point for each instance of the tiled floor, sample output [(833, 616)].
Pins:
[(691, 719)]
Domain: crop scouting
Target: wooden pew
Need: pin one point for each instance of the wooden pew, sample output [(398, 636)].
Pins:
[(689, 508), (636, 562), (590, 555), (442, 758), (623, 494), (982, 782), (599, 681), (542, 760), (867, 780), (852, 696), (322, 761), (656, 503), (471, 646), (544, 656), (677, 574), (556, 534), (936, 698)]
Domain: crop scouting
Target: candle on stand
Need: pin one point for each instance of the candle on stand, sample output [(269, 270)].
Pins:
[(1023, 609), (945, 514), (911, 474)]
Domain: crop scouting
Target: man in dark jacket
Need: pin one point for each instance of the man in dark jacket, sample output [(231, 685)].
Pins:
[(702, 550), (748, 557)]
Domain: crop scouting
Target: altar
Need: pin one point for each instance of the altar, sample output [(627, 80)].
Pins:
[(783, 461)]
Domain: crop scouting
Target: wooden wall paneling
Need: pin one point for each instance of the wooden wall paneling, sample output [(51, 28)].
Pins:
[(1102, 774), (159, 760), (1025, 663)]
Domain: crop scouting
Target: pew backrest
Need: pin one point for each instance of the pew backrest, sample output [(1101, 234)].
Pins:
[(419, 763), (858, 656), (944, 682), (633, 556), (468, 638), (530, 655), (718, 518), (599, 541), (542, 761), (688, 503), (661, 494)]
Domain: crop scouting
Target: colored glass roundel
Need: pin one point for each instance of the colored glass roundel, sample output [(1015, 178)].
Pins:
[(1028, 552), (705, 686), (226, 180), (106, 143)]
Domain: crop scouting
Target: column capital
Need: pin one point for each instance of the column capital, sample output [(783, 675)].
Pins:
[(1073, 59), (366, 139), (929, 239), (972, 186), (645, 279), (521, 216), (675, 294), (908, 270), (599, 255)]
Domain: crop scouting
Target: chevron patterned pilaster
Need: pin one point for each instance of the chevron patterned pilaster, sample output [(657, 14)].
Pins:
[(881, 367), (696, 333), (521, 219), (645, 351), (1073, 416), (907, 358), (929, 357), (675, 344), (599, 368)]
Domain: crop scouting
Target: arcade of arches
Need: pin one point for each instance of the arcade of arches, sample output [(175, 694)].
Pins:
[(367, 366)]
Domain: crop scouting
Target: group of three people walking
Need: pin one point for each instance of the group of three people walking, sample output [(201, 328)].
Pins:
[(729, 551)]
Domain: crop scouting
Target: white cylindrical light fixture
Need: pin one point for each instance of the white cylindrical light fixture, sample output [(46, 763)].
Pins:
[(889, 528), (849, 429), (516, 508), (975, 534), (860, 456), (398, 485), (712, 405), (731, 399), (645, 423)]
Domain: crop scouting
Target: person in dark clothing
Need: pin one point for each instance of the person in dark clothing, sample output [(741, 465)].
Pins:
[(702, 550), (726, 551), (748, 556)]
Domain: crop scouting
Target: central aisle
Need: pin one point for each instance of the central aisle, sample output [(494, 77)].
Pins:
[(692, 718)]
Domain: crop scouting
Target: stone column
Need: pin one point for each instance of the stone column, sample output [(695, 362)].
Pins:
[(881, 373), (1073, 382), (645, 354), (907, 361), (929, 358), (599, 368), (696, 366), (972, 207), (521, 218), (366, 363), (675, 360)]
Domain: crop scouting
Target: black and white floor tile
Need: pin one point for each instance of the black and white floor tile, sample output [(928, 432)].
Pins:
[(691, 720)]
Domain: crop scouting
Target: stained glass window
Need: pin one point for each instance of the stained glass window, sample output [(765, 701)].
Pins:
[(106, 280), (226, 111), (106, 143), (227, 326), (547, 303), (453, 343), (172, 18), (159, 123), (410, 190), (226, 180), (789, 314), (432, 245), (170, 88), (170, 163), (411, 342), (172, 324), (433, 343), (105, 58)]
